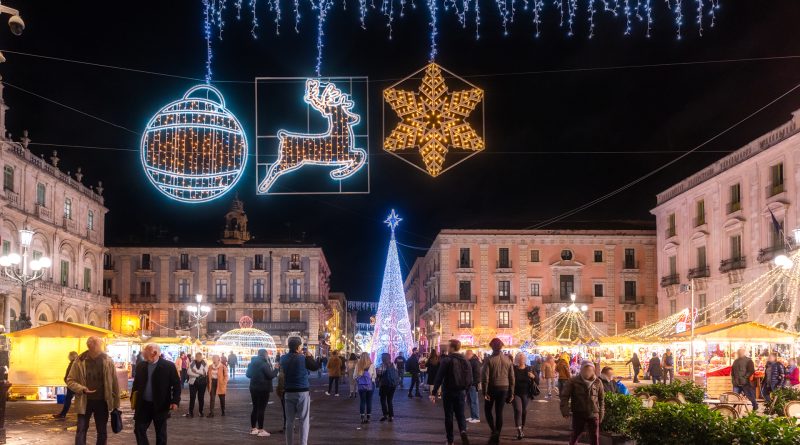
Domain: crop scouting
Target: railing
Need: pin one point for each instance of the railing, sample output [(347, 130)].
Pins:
[(258, 266), (735, 312), (670, 232), (460, 299), (631, 325), (556, 298), (732, 264), (505, 264), (504, 325), (464, 324), (778, 305), (220, 298), (768, 253), (43, 212), (255, 298), (464, 264), (13, 198), (268, 326), (38, 162), (670, 280), (142, 298), (108, 266), (699, 220), (221, 266), (734, 207), (182, 266), (299, 298), (70, 225), (295, 266), (699, 272), (630, 265), (178, 298), (775, 189), (631, 299), (505, 299)]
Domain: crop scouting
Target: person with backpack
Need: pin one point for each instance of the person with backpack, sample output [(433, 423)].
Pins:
[(453, 376), (365, 382), (497, 381), (388, 379)]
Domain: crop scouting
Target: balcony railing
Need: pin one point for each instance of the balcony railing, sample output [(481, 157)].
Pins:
[(735, 312), (295, 266), (465, 264), (734, 207), (768, 253), (631, 325), (221, 266), (178, 298), (44, 213), (556, 298), (184, 266), (144, 298), (699, 272), (698, 221), (221, 298), (775, 189), (299, 298), (108, 266), (669, 280), (504, 325), (670, 232), (505, 264), (778, 305), (13, 198), (505, 299), (460, 299), (268, 326), (732, 264), (630, 265), (631, 299), (256, 298), (464, 324), (70, 224)]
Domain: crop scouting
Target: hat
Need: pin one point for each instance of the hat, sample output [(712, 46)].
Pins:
[(586, 363)]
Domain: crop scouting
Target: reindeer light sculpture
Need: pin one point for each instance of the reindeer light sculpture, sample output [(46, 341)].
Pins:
[(335, 147)]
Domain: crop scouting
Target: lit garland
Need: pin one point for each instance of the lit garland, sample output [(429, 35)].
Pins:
[(434, 119), (392, 328), (194, 149), (335, 147)]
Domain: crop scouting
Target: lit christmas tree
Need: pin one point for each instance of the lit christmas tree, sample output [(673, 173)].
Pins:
[(392, 329)]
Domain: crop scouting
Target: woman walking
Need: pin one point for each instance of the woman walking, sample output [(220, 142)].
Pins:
[(260, 372), (523, 382), (351, 374), (198, 379), (549, 373), (432, 366), (218, 376), (636, 365), (365, 379), (388, 379)]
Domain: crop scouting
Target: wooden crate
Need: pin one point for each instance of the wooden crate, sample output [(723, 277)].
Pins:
[(718, 385)]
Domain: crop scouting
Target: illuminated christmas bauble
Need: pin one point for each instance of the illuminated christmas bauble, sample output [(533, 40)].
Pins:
[(194, 149)]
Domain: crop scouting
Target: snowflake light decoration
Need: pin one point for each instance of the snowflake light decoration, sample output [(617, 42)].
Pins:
[(434, 120)]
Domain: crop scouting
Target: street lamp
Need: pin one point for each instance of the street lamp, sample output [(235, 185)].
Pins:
[(574, 307), (23, 272), (198, 311)]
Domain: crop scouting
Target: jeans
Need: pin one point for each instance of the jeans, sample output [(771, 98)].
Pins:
[(414, 383), (453, 402), (520, 409), (145, 414), (260, 400), (386, 394), (199, 392), (656, 378), (472, 398), (232, 371), (496, 403), (581, 424), (333, 382), (98, 408), (365, 398), (749, 392), (298, 404), (550, 384), (668, 374), (635, 374), (67, 403), (561, 384), (766, 390), (184, 376)]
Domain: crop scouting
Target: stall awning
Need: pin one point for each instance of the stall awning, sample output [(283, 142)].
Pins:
[(747, 331), (63, 329)]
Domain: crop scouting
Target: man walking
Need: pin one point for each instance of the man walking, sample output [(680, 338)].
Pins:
[(334, 373), (454, 376), (412, 366), (68, 397), (93, 379), (654, 368), (667, 366), (741, 373), (156, 391), (296, 366), (583, 397), (497, 381), (400, 364), (774, 374), (232, 362), (472, 391)]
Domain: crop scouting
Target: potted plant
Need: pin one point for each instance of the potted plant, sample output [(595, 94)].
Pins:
[(674, 424), (619, 410)]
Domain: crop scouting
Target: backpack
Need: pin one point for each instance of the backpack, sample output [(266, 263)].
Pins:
[(390, 378), (462, 374), (364, 381)]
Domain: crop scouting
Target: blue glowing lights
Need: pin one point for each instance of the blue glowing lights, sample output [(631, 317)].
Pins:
[(194, 150)]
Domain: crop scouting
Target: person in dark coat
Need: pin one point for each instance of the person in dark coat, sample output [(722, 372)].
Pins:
[(654, 368), (433, 367), (774, 374), (260, 372), (412, 366), (742, 371), (636, 365), (400, 364), (157, 390), (70, 394), (607, 379)]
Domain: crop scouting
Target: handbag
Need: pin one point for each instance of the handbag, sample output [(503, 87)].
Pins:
[(116, 421), (134, 399)]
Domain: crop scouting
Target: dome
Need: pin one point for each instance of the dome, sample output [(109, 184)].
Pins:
[(246, 340), (194, 149)]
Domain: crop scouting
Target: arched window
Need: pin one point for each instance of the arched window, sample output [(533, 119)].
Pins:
[(13, 314), (42, 317)]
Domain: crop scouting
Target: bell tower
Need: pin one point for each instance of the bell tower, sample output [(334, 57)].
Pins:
[(236, 224)]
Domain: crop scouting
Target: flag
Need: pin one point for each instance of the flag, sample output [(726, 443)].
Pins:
[(776, 224)]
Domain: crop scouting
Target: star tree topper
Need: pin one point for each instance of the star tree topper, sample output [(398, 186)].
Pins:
[(393, 220), (433, 119)]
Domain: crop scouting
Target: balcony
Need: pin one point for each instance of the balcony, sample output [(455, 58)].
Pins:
[(183, 266), (44, 213), (108, 265), (734, 207), (256, 298), (565, 299), (221, 298), (504, 265), (632, 324), (732, 264), (464, 324), (268, 326), (775, 189), (670, 232), (778, 305), (258, 266), (459, 299), (70, 225), (669, 280), (221, 266), (144, 298), (505, 299), (504, 325), (631, 299), (698, 221), (464, 264), (699, 272), (13, 198), (735, 312), (630, 265), (768, 253), (295, 265), (178, 298), (297, 298)]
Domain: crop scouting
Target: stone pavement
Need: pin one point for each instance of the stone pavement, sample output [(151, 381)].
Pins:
[(417, 421)]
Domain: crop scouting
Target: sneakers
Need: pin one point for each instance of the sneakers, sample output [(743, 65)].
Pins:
[(327, 393), (383, 419), (263, 433), (336, 395), (468, 419), (464, 438), (471, 420), (254, 431)]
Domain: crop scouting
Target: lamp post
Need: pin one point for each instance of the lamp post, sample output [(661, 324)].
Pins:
[(23, 272), (198, 311)]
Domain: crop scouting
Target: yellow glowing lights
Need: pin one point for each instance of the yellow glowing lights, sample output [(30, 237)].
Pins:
[(434, 119)]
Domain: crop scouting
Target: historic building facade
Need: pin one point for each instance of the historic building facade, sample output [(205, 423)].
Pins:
[(67, 217), (716, 229), (283, 288), (495, 282)]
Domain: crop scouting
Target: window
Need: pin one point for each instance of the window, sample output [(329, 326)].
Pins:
[(37, 254), (566, 254), (108, 285), (294, 315), (87, 279), (258, 262), (145, 261), (6, 247), (598, 290), (736, 246), (630, 259), (145, 288), (8, 178), (630, 291), (258, 289), (183, 288), (465, 319), (598, 316), (503, 320), (535, 256), (701, 257), (184, 318), (673, 307), (221, 316), (673, 265), (735, 198), (294, 262), (184, 261), (700, 213), (67, 208), (65, 273), (465, 290), (702, 314), (464, 260), (43, 317), (630, 320), (294, 289), (503, 261), (504, 289), (535, 289), (258, 315), (776, 173), (598, 256), (41, 194), (221, 288), (222, 262), (567, 286), (671, 225), (90, 220)]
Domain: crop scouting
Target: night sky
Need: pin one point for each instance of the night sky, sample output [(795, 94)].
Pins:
[(534, 122)]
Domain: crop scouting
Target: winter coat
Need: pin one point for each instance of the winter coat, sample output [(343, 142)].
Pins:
[(497, 373), (655, 367), (793, 375), (260, 372), (196, 371), (412, 365), (475, 364), (445, 373), (774, 374), (76, 381), (582, 399), (351, 368), (296, 367), (609, 386), (335, 366), (634, 361), (562, 369), (668, 361), (222, 379), (432, 371), (549, 370), (742, 370), (166, 385)]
